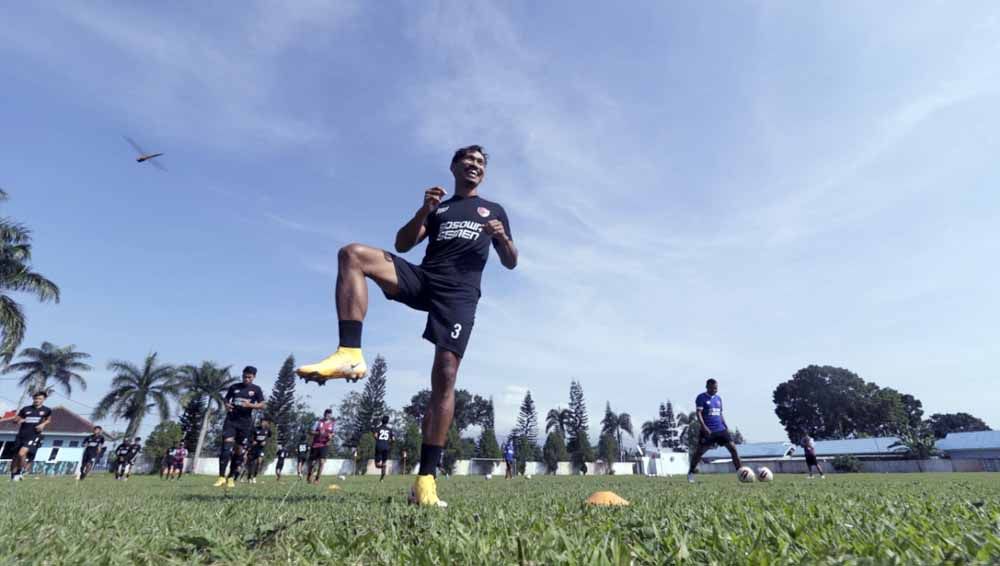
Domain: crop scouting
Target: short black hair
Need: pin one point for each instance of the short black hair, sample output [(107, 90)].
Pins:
[(328, 411), (137, 439), (385, 419), (43, 393), (250, 369), (711, 381), (98, 426), (463, 151)]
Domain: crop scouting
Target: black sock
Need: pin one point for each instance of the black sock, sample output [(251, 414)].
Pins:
[(429, 458), (225, 455), (234, 467), (350, 333)]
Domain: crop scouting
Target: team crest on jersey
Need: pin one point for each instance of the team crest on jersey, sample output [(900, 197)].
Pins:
[(441, 209), (484, 212)]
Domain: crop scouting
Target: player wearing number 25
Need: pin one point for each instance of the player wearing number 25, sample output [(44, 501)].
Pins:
[(460, 231)]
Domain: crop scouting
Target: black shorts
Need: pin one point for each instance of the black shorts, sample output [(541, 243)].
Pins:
[(256, 452), (450, 305), (279, 464), (720, 438), (381, 454), (240, 430), (318, 453), (811, 460), (89, 455), (27, 440), (178, 464)]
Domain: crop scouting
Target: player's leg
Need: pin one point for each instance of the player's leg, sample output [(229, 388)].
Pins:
[(696, 459), (437, 420), (225, 455), (735, 455), (356, 263), (17, 463)]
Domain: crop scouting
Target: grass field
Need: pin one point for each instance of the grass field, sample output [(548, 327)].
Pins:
[(884, 519)]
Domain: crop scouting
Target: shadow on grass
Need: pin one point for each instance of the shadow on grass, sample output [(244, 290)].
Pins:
[(229, 497)]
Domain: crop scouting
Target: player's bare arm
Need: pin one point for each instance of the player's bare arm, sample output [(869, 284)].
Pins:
[(701, 419), (414, 231), (41, 426), (502, 243)]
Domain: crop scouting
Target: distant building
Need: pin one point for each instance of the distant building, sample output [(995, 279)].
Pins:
[(61, 449), (984, 445)]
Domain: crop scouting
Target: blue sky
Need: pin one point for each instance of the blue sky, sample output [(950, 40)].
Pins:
[(734, 191)]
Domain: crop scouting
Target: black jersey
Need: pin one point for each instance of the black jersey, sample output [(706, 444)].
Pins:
[(260, 436), (122, 451), (383, 436), (457, 244), (133, 451), (237, 395), (94, 442), (281, 454), (33, 416), (303, 450)]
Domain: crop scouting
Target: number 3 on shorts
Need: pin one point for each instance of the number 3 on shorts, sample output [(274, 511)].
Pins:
[(458, 330)]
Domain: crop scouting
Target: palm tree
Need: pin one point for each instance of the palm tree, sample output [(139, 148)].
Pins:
[(208, 382), (614, 424), (135, 391), (50, 362), (16, 276), (559, 419), (652, 431)]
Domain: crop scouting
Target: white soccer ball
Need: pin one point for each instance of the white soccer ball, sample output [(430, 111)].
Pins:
[(342, 478), (527, 476), (764, 474), (488, 476), (745, 474)]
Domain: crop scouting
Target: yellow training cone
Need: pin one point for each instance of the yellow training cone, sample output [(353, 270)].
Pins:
[(606, 498), (334, 487)]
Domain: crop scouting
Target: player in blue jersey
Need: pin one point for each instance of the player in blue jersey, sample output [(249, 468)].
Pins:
[(508, 457), (714, 431), (446, 285)]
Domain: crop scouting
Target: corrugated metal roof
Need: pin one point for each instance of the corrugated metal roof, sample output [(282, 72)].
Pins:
[(854, 446), (983, 440)]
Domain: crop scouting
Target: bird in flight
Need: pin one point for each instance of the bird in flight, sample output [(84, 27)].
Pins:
[(144, 156)]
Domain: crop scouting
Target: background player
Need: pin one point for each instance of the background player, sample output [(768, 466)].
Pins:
[(133, 454), (121, 458), (302, 458), (241, 401), (509, 458), (809, 446), (32, 420), (446, 284), (167, 462), (261, 434), (93, 445), (384, 437), (714, 431), (180, 453), (279, 464), (321, 434)]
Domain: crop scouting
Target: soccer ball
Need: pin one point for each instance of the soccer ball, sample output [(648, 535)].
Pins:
[(745, 474), (489, 476), (527, 476), (764, 474), (342, 478)]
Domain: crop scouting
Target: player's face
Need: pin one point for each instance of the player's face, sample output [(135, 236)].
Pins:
[(713, 388), (248, 378), (38, 400), (470, 169)]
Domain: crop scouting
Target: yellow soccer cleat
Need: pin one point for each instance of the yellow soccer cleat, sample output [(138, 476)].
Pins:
[(219, 482), (345, 363), (424, 492), (230, 483)]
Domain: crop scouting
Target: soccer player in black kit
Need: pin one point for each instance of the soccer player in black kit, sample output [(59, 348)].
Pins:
[(92, 447), (121, 458), (383, 443), (32, 420), (460, 231), (279, 464), (133, 453), (258, 441), (241, 401)]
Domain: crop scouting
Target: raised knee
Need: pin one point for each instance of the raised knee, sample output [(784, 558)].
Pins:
[(351, 253)]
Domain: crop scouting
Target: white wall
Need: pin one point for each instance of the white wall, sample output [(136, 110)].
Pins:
[(796, 466), (337, 466)]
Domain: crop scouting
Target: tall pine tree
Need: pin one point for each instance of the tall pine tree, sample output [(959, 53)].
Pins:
[(281, 405), (578, 407), (671, 439), (488, 447), (527, 421), (190, 422), (372, 405)]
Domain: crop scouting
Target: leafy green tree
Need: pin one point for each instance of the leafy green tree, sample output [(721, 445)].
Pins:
[(135, 391), (281, 404), (614, 424), (738, 437), (371, 405), (607, 449), (50, 363), (554, 452), (943, 423), (165, 436), (691, 431), (191, 422), (366, 450), (488, 447), (16, 276), (411, 442), (582, 451), (662, 430), (345, 433), (208, 382), (469, 409), (560, 420), (454, 450)]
